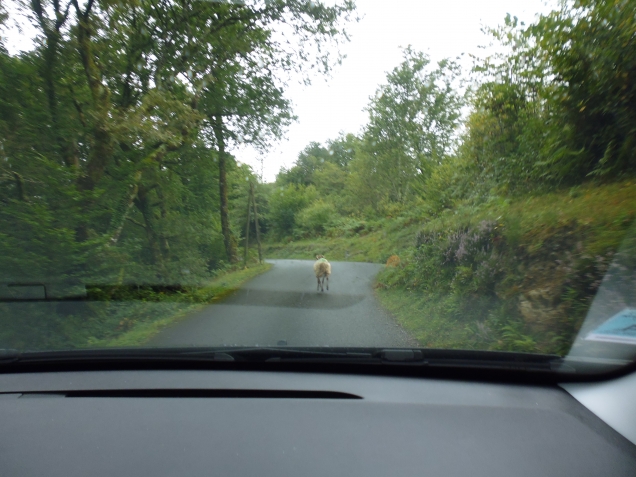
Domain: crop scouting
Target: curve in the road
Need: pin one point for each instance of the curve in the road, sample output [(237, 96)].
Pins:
[(282, 305)]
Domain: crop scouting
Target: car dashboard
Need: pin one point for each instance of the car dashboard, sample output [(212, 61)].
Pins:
[(226, 422)]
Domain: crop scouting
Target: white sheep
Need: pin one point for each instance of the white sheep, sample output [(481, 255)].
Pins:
[(322, 269)]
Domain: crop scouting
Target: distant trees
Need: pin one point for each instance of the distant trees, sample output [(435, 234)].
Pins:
[(116, 131), (555, 106), (412, 122), (558, 108), (412, 128), (336, 153)]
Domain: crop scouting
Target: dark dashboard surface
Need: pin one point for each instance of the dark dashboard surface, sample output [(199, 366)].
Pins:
[(235, 423)]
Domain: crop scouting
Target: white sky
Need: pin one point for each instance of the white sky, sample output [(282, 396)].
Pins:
[(327, 107), (443, 29)]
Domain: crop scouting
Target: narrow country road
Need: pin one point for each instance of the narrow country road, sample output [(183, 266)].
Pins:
[(283, 305)]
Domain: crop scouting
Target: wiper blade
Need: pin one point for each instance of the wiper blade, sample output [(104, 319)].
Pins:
[(118, 354), (185, 355), (9, 356), (400, 357), (277, 354), (403, 356), (41, 292)]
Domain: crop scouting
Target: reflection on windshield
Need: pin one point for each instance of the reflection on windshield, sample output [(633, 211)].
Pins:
[(486, 202), (609, 329)]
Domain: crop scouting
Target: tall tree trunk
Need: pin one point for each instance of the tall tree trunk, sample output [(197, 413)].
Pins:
[(101, 140), (142, 201), (228, 238), (258, 231), (247, 231), (50, 54), (51, 29), (102, 147), (165, 244), (19, 185)]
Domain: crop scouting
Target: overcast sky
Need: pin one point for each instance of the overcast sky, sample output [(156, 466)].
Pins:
[(443, 29)]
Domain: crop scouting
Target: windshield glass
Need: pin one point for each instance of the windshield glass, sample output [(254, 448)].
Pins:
[(311, 174)]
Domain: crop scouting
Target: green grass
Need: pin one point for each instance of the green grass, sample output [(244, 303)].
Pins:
[(424, 317), (600, 214), (574, 229), (111, 316), (228, 283), (145, 326), (219, 288)]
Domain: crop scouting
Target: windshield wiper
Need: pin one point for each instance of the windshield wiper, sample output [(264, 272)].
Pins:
[(9, 356), (399, 357), (41, 292), (389, 356), (429, 358)]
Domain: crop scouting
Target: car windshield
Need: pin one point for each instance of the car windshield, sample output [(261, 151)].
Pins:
[(319, 174)]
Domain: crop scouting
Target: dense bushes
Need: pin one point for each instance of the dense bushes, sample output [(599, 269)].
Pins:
[(519, 274), (285, 203), (316, 218)]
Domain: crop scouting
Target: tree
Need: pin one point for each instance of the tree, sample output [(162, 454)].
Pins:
[(412, 122), (589, 46), (310, 159), (131, 112), (568, 81), (239, 81), (335, 155), (285, 203)]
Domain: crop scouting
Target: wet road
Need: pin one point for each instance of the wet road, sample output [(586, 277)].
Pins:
[(283, 305)]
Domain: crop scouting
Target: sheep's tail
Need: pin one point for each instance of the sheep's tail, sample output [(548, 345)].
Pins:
[(322, 268)]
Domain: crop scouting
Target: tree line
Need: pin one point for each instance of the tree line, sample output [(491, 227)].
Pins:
[(117, 129), (554, 108)]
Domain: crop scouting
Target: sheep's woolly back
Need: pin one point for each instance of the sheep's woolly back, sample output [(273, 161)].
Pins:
[(322, 267)]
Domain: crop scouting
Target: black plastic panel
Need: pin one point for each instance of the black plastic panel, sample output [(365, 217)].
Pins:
[(399, 427)]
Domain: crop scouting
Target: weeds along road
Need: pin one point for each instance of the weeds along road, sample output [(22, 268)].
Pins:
[(283, 305)]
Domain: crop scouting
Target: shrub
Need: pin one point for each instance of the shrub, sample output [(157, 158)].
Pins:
[(316, 218), (284, 205)]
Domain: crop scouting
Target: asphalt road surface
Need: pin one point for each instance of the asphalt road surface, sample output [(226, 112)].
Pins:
[(283, 305)]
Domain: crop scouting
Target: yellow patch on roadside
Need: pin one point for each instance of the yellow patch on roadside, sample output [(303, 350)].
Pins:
[(393, 261)]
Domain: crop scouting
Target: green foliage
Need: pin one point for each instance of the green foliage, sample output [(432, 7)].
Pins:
[(285, 203), (557, 107), (113, 315), (316, 218), (116, 132), (504, 233), (330, 180), (453, 181), (412, 121), (316, 163), (309, 159), (593, 96), (520, 274)]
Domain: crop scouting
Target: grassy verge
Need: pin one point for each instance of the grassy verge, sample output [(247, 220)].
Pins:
[(423, 317), (218, 289), (228, 283), (386, 238), (515, 275)]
